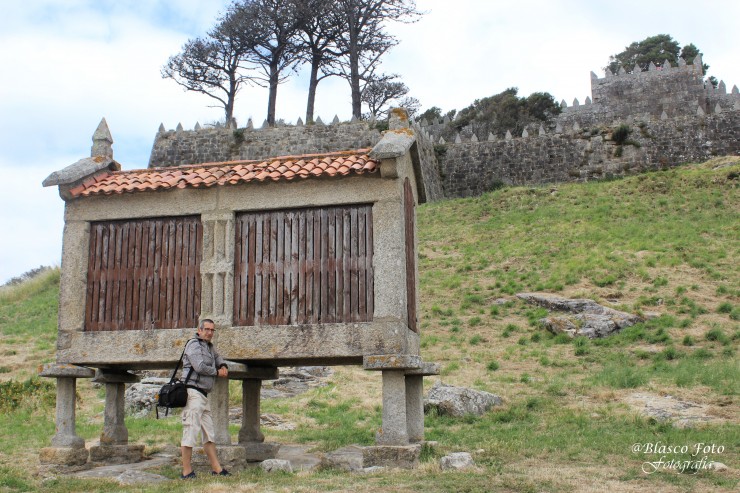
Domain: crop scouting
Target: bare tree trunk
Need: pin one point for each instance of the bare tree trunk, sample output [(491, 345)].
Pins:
[(272, 99), (312, 85)]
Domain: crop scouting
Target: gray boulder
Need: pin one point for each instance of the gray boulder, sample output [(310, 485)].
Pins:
[(459, 401), (141, 398), (589, 319), (275, 465), (456, 461)]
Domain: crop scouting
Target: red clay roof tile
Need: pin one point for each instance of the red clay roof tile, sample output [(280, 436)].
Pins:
[(231, 172)]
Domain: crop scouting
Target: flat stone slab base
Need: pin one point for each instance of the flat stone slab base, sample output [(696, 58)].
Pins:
[(346, 459), (64, 456), (117, 454), (393, 456), (299, 457), (259, 451), (231, 457)]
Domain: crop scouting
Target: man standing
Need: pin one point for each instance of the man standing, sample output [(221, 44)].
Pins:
[(203, 364)]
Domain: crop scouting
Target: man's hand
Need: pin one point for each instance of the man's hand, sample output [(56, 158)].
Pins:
[(223, 372)]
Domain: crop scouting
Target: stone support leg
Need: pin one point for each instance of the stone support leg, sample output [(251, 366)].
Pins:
[(66, 435), (114, 426), (415, 407), (393, 431), (250, 430), (219, 397)]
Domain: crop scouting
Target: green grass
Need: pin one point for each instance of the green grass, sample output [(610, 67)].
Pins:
[(662, 242)]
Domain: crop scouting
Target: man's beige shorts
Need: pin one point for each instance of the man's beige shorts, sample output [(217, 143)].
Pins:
[(196, 417)]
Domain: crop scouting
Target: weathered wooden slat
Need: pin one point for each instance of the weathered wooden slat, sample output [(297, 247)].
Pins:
[(409, 223), (361, 272), (369, 265), (300, 270)]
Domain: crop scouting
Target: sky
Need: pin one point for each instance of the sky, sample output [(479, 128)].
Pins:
[(65, 64)]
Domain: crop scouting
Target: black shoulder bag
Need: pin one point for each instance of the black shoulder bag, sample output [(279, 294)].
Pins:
[(175, 392)]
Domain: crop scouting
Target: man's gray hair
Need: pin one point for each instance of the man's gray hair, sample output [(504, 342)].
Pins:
[(205, 321)]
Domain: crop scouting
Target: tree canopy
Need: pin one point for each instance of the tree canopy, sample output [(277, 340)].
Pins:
[(654, 49), (260, 41), (507, 111)]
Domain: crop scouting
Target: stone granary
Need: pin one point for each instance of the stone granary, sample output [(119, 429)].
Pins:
[(300, 260)]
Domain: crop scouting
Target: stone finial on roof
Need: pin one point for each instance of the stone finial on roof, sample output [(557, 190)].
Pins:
[(722, 88), (335, 120), (265, 124), (446, 120), (442, 140), (664, 115), (458, 140), (423, 122), (525, 134), (250, 124), (718, 108), (652, 67), (474, 138), (541, 130), (681, 62), (588, 100), (576, 104), (318, 121), (508, 135), (197, 126), (608, 72), (700, 111), (735, 90), (102, 141), (491, 137), (161, 128), (398, 118), (666, 64), (179, 128), (593, 75), (299, 123), (622, 71), (563, 104)]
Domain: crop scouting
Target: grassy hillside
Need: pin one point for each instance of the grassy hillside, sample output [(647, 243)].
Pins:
[(665, 242)]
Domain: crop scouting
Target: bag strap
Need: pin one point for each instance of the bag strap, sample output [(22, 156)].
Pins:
[(177, 367)]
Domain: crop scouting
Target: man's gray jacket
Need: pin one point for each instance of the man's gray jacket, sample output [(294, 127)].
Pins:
[(202, 357)]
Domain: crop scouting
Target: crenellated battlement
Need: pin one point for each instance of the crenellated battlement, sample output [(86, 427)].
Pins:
[(673, 117)]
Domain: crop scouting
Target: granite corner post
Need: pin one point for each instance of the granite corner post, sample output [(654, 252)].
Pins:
[(393, 447), (67, 448), (114, 446), (251, 437)]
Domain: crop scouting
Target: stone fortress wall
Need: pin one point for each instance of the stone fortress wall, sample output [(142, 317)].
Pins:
[(673, 118)]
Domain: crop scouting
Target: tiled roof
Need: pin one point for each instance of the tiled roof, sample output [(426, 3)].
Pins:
[(228, 173)]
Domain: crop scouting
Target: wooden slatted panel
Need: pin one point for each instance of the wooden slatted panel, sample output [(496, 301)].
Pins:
[(144, 274), (409, 221), (304, 266)]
